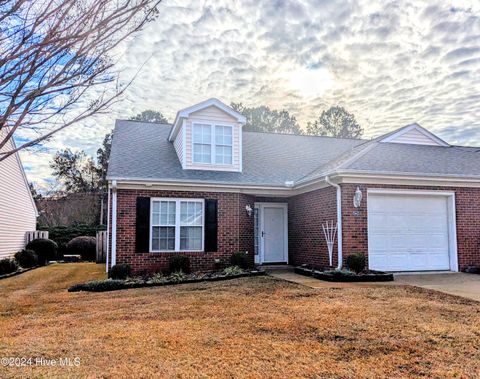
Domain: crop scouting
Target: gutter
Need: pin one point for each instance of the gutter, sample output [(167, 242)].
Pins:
[(339, 221)]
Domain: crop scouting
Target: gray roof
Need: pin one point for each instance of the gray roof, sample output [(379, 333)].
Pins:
[(141, 151), (419, 159)]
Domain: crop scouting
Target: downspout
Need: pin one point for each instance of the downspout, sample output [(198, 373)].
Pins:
[(339, 221), (108, 226), (114, 223)]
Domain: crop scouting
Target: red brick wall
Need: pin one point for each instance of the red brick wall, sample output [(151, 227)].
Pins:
[(235, 230), (306, 213), (467, 204)]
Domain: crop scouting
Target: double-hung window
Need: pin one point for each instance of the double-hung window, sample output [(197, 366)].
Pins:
[(223, 144), (176, 224), (202, 143), (212, 144)]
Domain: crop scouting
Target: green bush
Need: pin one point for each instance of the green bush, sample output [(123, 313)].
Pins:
[(45, 249), (26, 258), (356, 262), (62, 235), (99, 286), (120, 271), (179, 263), (84, 246), (8, 266), (240, 259)]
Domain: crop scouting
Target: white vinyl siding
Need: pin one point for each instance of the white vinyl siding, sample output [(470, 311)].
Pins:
[(178, 145), (176, 225), (414, 137), (17, 211)]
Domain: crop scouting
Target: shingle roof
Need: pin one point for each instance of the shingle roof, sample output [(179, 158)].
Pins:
[(141, 151)]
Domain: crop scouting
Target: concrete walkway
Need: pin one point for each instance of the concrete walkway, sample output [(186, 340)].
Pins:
[(308, 281), (455, 283), (459, 284)]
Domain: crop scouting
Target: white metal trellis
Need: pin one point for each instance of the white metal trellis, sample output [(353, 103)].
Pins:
[(330, 232)]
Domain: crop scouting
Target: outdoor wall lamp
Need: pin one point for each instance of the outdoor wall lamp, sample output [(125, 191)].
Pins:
[(357, 198), (249, 210)]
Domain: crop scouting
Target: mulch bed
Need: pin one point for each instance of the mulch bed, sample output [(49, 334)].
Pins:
[(115, 285), (342, 276)]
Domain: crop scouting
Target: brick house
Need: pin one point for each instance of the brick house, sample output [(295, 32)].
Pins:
[(205, 188)]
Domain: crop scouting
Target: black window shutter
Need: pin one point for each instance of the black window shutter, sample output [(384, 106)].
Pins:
[(211, 224), (142, 243)]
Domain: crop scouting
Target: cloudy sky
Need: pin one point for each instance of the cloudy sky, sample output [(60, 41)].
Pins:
[(388, 62)]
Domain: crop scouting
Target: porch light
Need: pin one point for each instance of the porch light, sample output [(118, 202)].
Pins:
[(357, 198), (249, 210)]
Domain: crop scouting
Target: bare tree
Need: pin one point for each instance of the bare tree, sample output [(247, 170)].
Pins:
[(56, 60)]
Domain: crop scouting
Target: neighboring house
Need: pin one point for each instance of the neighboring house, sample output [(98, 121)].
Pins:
[(18, 213), (189, 188)]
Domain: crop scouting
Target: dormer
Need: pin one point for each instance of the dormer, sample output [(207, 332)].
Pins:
[(208, 136), (413, 134)]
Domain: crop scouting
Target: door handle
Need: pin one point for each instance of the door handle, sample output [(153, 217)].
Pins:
[(263, 233)]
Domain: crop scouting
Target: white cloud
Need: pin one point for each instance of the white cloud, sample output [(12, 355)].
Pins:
[(389, 63)]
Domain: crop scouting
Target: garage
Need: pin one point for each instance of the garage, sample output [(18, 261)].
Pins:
[(411, 231)]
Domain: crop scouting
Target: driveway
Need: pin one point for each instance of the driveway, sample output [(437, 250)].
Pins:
[(458, 283)]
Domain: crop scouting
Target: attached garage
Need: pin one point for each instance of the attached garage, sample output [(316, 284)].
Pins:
[(411, 230)]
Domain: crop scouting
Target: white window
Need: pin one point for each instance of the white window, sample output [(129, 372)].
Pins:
[(202, 143), (223, 144), (176, 225), (212, 144)]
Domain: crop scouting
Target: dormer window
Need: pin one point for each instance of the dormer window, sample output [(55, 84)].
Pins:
[(202, 143), (212, 144), (223, 144), (208, 136)]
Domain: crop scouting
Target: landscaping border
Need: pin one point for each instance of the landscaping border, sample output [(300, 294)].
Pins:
[(126, 285), (333, 276), (18, 272)]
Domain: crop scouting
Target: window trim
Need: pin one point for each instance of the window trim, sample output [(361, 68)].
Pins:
[(212, 143), (177, 226)]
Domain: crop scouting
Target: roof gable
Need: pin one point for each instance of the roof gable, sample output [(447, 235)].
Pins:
[(186, 112), (413, 134)]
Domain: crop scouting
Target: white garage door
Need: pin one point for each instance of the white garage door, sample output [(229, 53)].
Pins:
[(408, 232)]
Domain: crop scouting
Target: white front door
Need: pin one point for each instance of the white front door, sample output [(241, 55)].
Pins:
[(272, 232), (408, 232)]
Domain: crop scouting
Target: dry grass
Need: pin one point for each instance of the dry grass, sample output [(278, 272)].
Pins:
[(257, 327)]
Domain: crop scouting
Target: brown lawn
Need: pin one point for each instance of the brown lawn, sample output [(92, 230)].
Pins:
[(258, 327)]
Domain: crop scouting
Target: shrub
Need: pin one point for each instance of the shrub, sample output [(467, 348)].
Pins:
[(99, 286), (240, 259), (121, 271), (158, 278), (179, 263), (62, 235), (26, 258), (177, 277), (84, 246), (45, 249), (233, 270), (356, 262), (8, 266)]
